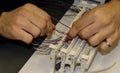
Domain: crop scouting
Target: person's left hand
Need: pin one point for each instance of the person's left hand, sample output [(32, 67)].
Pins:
[(25, 23), (99, 24)]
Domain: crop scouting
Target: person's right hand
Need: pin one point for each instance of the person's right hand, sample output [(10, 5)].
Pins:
[(25, 23), (100, 26)]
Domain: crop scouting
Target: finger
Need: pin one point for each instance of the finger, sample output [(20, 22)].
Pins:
[(42, 24), (50, 29), (85, 20), (113, 41), (36, 20), (101, 35), (72, 32), (81, 23), (29, 27), (90, 30), (93, 28), (19, 34)]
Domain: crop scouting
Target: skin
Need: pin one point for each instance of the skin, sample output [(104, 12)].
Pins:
[(25, 23), (99, 24)]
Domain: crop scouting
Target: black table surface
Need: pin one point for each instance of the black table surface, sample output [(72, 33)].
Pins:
[(14, 54)]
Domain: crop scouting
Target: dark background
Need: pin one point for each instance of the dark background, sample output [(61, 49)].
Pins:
[(14, 54)]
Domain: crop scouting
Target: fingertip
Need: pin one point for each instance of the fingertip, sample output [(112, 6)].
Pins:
[(104, 49), (69, 36), (53, 26), (72, 33)]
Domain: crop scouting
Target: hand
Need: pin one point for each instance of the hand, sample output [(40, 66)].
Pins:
[(25, 23), (99, 24)]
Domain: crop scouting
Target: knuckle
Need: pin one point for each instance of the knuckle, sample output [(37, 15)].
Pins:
[(13, 32), (27, 5), (96, 13), (105, 20), (17, 21), (18, 36), (73, 32), (43, 25), (47, 18), (76, 24), (21, 11), (26, 38), (76, 28), (70, 35), (82, 35), (37, 33), (29, 40), (112, 28)]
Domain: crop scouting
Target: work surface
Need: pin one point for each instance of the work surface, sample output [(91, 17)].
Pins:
[(41, 63), (109, 63)]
